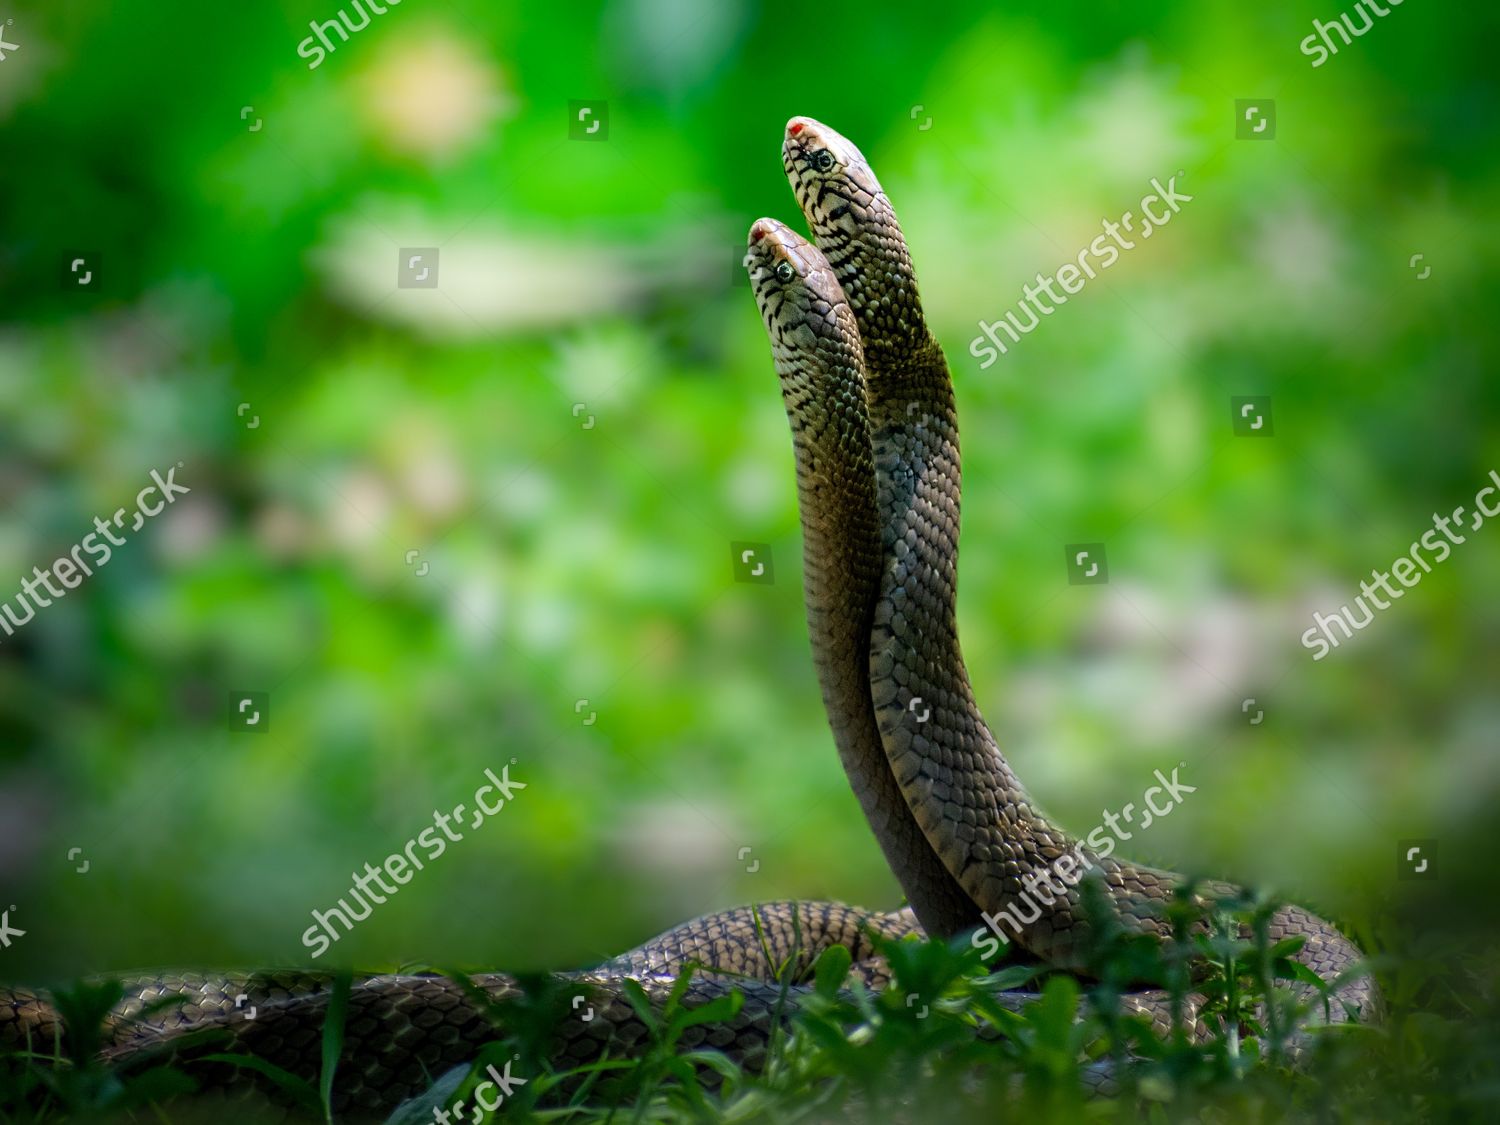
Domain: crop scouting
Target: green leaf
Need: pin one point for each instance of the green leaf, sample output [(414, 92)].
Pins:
[(333, 1038), (680, 986), (717, 1010), (84, 1010), (1286, 947), (1296, 970), (1010, 977), (832, 970), (636, 996), (154, 1085), (422, 1109), (1055, 1013), (295, 1088)]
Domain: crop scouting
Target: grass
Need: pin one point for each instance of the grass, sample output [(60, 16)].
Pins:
[(938, 1042)]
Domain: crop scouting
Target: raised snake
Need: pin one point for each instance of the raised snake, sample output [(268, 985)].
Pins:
[(870, 403), (972, 809)]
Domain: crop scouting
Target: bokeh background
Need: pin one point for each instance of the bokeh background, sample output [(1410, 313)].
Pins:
[(576, 423)]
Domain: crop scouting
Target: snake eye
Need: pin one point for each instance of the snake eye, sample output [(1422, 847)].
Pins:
[(822, 160), (785, 272)]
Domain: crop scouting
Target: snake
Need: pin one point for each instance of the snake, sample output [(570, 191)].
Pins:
[(970, 805), (873, 419)]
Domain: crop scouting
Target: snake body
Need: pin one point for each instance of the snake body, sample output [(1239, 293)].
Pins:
[(874, 433), (815, 343), (403, 1031), (971, 807)]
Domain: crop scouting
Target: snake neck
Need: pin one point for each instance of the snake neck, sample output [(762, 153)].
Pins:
[(870, 259), (820, 363), (940, 748), (823, 392), (957, 784)]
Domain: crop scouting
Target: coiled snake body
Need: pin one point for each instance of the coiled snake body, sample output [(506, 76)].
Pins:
[(870, 403)]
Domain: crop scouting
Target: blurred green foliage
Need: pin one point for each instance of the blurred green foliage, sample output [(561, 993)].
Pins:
[(571, 562), (945, 1039)]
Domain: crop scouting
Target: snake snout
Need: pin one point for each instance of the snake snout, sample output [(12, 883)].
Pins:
[(782, 260), (763, 227), (809, 133), (806, 137), (773, 241), (803, 135)]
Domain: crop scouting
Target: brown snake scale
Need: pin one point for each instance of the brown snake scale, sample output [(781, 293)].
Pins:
[(875, 436)]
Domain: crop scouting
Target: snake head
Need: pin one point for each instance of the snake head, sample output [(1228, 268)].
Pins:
[(806, 314), (830, 176), (794, 285), (848, 213)]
